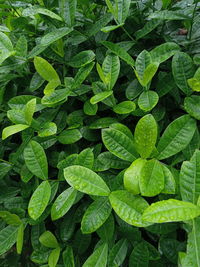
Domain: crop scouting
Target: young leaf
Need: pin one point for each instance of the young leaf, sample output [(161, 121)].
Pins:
[(111, 68), (82, 74), (145, 135), (98, 257), (171, 210), (152, 178), (86, 181), (39, 200), (192, 106), (100, 97), (54, 257), (35, 159), (48, 240), (124, 107), (95, 215), (176, 137), (139, 256), (33, 10), (53, 36), (63, 203), (20, 239), (148, 100), (129, 207), (10, 130)]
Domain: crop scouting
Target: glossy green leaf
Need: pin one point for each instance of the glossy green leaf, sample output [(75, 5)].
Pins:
[(54, 257), (68, 257), (170, 210), (132, 176), (39, 200), (145, 135), (55, 97), (20, 239), (118, 253), (139, 256), (168, 15), (35, 159), (86, 158), (90, 109), (86, 181), (170, 183), (95, 215), (47, 129), (129, 207), (111, 68), (53, 36), (119, 144), (82, 59), (148, 27), (98, 258), (151, 178), (192, 106), (48, 240), (8, 237), (63, 203), (69, 136), (13, 129), (29, 110), (164, 51), (10, 218), (176, 137), (100, 97), (148, 100), (81, 75), (111, 27), (124, 107)]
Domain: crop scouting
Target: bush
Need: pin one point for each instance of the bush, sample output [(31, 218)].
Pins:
[(100, 159)]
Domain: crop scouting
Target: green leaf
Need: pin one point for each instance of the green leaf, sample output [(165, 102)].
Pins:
[(95, 215), (53, 36), (31, 11), (63, 203), (48, 240), (67, 11), (47, 129), (182, 69), (190, 179), (90, 109), (152, 178), (170, 183), (192, 106), (176, 136), (149, 72), (69, 136), (111, 27), (98, 258), (164, 51), (145, 135), (54, 257), (171, 210), (86, 158), (120, 52), (29, 110), (107, 160), (20, 239), (119, 144), (148, 27), (39, 200), (35, 159), (148, 100), (56, 97), (82, 74), (139, 256), (129, 207), (8, 237), (124, 107), (68, 257), (81, 59), (10, 218), (86, 181), (45, 69), (100, 97), (194, 84), (111, 68), (142, 62), (122, 7), (118, 253), (168, 15), (132, 176), (10, 130)]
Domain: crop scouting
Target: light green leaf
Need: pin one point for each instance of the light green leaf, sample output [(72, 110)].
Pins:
[(8, 237), (86, 158), (54, 257), (119, 144), (149, 72), (168, 15), (36, 160), (190, 179), (120, 52), (129, 207), (86, 181), (148, 100), (100, 97), (47, 129), (55, 35), (5, 43), (56, 97), (63, 203), (39, 200), (182, 69), (31, 11), (13, 129), (170, 183), (10, 218), (103, 21), (145, 135), (20, 239), (192, 106), (124, 107), (132, 176), (90, 109), (111, 27), (111, 68), (164, 51), (69, 136), (176, 136), (194, 84), (82, 59), (48, 240), (98, 257), (82, 74), (29, 110), (122, 7), (151, 178)]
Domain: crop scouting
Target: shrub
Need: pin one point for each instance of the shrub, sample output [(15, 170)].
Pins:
[(100, 159)]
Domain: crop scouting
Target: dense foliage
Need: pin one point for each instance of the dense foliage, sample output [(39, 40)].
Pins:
[(99, 155)]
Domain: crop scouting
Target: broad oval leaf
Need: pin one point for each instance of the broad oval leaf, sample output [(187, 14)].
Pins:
[(69, 136), (63, 203), (39, 200), (36, 160), (124, 107), (100, 97), (176, 136), (13, 129), (129, 207), (111, 68), (54, 257), (86, 181), (95, 215), (171, 210), (148, 100), (164, 51), (82, 59), (48, 240)]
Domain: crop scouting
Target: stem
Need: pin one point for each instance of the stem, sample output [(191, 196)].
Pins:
[(128, 34), (192, 22)]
